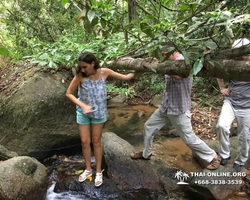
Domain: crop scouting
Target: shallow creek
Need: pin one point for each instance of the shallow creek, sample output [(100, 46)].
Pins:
[(127, 123)]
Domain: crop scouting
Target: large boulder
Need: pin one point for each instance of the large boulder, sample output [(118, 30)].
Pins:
[(22, 178), (127, 174), (156, 100), (36, 117)]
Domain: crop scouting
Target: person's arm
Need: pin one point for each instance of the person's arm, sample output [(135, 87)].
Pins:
[(109, 72), (70, 94), (223, 90)]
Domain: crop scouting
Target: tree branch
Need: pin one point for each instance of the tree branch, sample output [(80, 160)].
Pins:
[(226, 69), (169, 9), (200, 39), (231, 53), (147, 12), (197, 12)]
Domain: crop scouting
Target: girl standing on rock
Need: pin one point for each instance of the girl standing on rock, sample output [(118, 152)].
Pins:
[(91, 108)]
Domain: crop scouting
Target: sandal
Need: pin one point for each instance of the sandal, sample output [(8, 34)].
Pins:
[(98, 179), (215, 163), (203, 163), (85, 175), (138, 155)]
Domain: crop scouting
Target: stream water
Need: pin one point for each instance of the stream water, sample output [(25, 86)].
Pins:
[(126, 123)]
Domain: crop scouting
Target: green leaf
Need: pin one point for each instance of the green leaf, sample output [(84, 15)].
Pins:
[(134, 21), (227, 13), (211, 44), (53, 65), (4, 51), (78, 172), (105, 33), (42, 63), (35, 61), (50, 64), (91, 15), (116, 28), (68, 57), (64, 2), (148, 32), (94, 22), (211, 62), (112, 12), (143, 25), (167, 55), (103, 22), (184, 7), (146, 29), (186, 56), (198, 65), (127, 27), (150, 52), (26, 57), (44, 56), (154, 70)]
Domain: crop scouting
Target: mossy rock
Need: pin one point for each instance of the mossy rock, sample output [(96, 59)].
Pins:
[(37, 118)]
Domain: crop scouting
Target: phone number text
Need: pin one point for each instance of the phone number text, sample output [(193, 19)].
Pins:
[(218, 182)]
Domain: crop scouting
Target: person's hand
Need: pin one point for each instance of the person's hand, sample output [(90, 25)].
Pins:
[(131, 76), (176, 77), (87, 109), (225, 91), (150, 59), (136, 74)]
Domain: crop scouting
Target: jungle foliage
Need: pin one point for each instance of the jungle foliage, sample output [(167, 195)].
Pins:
[(53, 33)]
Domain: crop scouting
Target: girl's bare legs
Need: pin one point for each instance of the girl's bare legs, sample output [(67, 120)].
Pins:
[(97, 144), (84, 131)]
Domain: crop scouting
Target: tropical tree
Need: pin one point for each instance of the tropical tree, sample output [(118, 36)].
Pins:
[(115, 29)]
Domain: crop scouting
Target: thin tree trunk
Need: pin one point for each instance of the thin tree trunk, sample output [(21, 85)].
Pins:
[(132, 13)]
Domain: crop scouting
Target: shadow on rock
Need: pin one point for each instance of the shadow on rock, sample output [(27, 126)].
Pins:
[(108, 190), (127, 173)]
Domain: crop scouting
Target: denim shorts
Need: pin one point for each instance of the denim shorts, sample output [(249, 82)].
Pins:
[(85, 119)]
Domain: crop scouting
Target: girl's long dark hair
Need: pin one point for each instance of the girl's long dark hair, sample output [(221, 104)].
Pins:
[(87, 57)]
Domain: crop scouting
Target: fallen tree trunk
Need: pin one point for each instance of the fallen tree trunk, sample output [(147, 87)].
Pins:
[(230, 53), (226, 69)]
